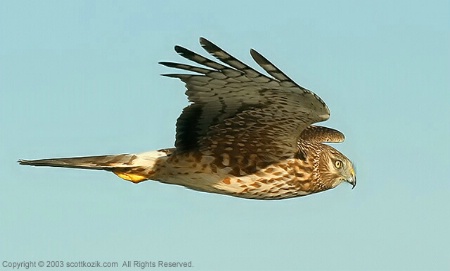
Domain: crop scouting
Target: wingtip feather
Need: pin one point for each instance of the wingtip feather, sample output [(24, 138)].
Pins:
[(204, 41)]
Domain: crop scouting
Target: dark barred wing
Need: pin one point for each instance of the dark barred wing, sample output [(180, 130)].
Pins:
[(240, 113)]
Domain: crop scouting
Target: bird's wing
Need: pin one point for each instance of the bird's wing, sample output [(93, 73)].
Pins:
[(321, 134), (238, 112)]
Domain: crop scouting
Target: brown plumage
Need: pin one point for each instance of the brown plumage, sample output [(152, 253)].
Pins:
[(244, 134)]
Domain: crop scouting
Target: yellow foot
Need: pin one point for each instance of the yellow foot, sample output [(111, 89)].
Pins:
[(135, 178)]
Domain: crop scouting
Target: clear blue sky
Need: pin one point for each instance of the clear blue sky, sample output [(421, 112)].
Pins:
[(81, 78)]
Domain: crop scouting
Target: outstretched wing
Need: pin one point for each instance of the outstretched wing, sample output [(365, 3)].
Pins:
[(240, 113)]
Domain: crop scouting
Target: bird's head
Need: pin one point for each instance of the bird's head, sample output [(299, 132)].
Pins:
[(336, 168)]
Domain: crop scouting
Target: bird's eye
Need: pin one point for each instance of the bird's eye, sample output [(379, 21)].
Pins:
[(338, 163)]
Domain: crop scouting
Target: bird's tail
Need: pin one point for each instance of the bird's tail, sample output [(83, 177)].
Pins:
[(130, 167)]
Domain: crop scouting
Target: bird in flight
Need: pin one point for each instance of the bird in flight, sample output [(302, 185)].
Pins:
[(244, 134)]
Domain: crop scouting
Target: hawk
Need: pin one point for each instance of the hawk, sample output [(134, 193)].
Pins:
[(244, 134)]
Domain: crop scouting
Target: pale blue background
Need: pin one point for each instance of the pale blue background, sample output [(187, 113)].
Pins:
[(81, 78)]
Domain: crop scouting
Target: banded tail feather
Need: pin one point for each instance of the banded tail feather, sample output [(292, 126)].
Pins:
[(131, 167)]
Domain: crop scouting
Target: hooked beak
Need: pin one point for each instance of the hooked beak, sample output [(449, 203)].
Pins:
[(352, 179)]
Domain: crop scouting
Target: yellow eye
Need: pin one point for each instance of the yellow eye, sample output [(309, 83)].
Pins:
[(338, 163)]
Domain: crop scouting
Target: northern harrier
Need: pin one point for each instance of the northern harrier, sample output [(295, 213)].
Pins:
[(244, 134)]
